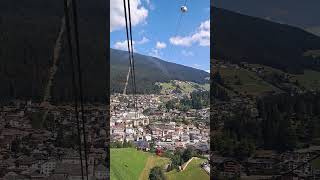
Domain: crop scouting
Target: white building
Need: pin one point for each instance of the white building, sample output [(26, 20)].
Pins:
[(47, 167)]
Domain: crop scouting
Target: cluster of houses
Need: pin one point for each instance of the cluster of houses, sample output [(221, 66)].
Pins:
[(29, 151), (222, 110), (158, 126), (39, 166), (267, 164)]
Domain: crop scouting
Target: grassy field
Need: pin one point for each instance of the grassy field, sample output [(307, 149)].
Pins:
[(310, 79), (152, 161), (245, 82), (313, 53), (126, 163), (248, 82), (131, 164), (185, 87), (193, 171)]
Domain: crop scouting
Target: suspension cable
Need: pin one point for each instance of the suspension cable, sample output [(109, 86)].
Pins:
[(132, 59), (76, 32), (128, 43), (177, 27), (67, 21), (130, 51), (179, 20)]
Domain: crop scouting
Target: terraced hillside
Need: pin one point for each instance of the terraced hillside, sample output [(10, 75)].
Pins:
[(256, 79)]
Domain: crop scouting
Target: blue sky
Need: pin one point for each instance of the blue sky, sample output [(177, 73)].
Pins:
[(154, 25)]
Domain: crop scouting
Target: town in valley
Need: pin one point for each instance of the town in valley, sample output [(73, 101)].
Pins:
[(162, 123), (35, 148)]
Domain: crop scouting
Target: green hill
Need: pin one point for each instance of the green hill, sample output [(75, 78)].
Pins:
[(131, 164), (149, 71), (245, 82), (250, 81), (182, 86), (29, 30), (239, 38), (126, 163), (192, 171)]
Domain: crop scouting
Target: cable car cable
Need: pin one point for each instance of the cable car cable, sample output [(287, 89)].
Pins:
[(179, 23), (67, 21), (183, 10), (75, 23), (132, 58), (129, 49)]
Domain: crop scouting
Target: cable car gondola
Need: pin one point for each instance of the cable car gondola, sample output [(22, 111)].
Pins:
[(184, 9)]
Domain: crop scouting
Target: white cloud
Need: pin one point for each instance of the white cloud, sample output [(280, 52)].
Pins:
[(208, 71), (143, 40), (205, 25), (201, 36), (181, 41), (187, 53), (155, 53), (161, 45), (117, 20), (123, 45), (196, 65)]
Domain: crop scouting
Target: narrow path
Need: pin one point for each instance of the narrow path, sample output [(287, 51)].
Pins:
[(145, 172), (151, 162), (184, 166), (126, 85), (53, 70)]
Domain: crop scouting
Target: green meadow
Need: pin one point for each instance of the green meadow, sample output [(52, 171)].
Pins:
[(131, 164), (192, 171)]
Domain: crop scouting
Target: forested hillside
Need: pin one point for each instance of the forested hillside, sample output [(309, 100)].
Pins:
[(240, 38), (29, 30), (149, 70)]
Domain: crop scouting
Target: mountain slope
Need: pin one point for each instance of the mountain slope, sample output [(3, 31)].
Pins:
[(29, 30), (28, 35), (240, 38), (149, 70)]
